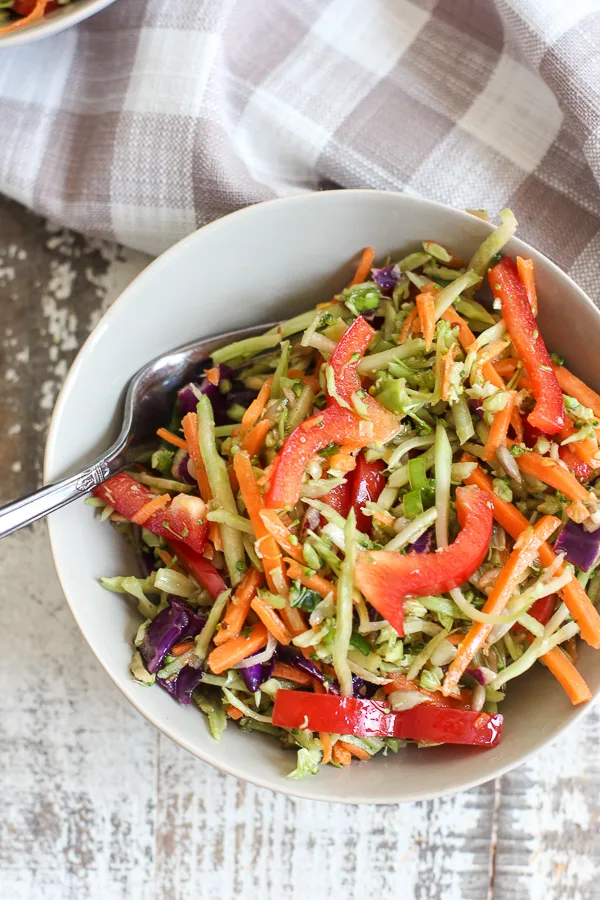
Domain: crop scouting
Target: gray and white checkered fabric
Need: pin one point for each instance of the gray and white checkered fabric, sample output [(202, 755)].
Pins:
[(153, 118)]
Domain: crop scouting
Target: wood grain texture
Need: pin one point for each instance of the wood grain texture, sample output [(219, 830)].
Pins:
[(96, 805)]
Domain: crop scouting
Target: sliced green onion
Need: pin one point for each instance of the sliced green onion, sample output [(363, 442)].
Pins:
[(417, 473)]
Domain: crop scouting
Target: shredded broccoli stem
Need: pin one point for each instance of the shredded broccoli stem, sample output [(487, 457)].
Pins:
[(216, 472), (302, 408), (376, 361), (425, 655), (538, 648), (233, 520), (463, 422), (281, 370), (214, 617), (413, 531), (443, 463), (446, 297), (343, 618), (411, 443), (235, 701), (493, 243)]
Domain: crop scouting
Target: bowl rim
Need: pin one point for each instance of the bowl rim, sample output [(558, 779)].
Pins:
[(300, 789), (57, 21)]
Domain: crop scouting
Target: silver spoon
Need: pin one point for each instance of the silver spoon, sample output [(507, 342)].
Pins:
[(148, 404)]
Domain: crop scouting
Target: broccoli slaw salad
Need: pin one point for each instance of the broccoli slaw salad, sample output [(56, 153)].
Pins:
[(15, 14), (359, 527)]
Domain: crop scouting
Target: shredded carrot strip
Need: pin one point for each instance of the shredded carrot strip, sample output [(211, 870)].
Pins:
[(293, 619), (400, 682), (255, 438), (234, 651), (465, 335), (209, 551), (353, 750), (407, 325), (506, 367), (271, 557), (149, 508), (585, 450), (171, 438), (489, 354), (314, 582), (280, 670), (239, 607), (524, 552), (575, 387), (426, 310), (340, 755), (517, 423), (213, 375), (416, 326), (526, 274), (547, 470), (36, 13), (168, 559), (190, 429), (565, 672), (499, 428), (180, 649), (514, 522), (490, 374), (343, 462), (233, 712), (364, 267), (255, 410), (280, 533), (325, 738), (268, 616), (447, 361)]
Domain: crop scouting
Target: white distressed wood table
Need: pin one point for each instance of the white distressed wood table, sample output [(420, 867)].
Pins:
[(95, 804)]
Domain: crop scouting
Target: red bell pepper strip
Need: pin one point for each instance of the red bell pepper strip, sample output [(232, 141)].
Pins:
[(365, 718), (549, 413), (327, 427), (199, 568), (180, 519), (340, 499), (367, 484), (346, 356), (577, 466), (336, 424), (386, 578)]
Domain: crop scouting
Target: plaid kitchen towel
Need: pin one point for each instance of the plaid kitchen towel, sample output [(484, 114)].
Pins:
[(152, 118)]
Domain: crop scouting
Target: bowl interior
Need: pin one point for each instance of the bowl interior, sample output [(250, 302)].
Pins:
[(266, 262), (55, 21)]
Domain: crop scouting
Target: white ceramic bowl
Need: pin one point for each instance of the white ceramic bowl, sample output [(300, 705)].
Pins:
[(54, 22), (265, 262)]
